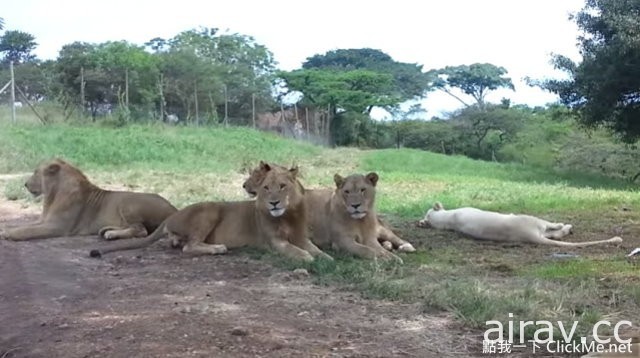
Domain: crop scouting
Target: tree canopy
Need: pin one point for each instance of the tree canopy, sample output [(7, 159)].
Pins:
[(476, 80), (17, 46), (605, 87), (409, 82)]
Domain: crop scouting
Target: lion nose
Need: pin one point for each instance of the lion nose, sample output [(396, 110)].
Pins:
[(274, 203), (355, 206), (244, 185)]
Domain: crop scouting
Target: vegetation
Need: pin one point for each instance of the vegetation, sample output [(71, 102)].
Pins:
[(604, 87)]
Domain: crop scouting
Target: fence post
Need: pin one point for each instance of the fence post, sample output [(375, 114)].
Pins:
[(195, 91), (226, 107), (126, 88), (81, 92), (253, 109), (13, 93)]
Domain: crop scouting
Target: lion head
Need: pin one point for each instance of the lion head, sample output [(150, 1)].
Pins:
[(279, 190), (426, 222), (50, 175), (357, 193), (257, 175)]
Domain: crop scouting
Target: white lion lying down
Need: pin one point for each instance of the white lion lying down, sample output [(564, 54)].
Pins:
[(489, 225)]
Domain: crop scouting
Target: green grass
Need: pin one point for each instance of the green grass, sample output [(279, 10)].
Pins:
[(157, 147), (583, 268), (474, 282)]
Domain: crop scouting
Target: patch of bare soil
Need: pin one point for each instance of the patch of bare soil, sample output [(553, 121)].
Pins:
[(55, 301)]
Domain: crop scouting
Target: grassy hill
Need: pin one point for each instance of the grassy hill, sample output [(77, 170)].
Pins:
[(474, 281)]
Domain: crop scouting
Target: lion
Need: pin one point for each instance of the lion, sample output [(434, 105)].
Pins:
[(316, 201), (348, 219), (489, 225), (277, 218), (73, 206)]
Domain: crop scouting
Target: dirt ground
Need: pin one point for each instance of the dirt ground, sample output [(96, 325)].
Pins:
[(55, 301)]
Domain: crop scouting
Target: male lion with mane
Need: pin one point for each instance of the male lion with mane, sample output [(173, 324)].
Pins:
[(317, 200), (278, 218), (489, 225), (73, 206)]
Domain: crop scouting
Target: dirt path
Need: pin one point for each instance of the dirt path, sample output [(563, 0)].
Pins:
[(57, 302)]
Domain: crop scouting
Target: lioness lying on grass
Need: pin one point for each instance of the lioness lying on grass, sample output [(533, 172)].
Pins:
[(277, 219), (489, 225)]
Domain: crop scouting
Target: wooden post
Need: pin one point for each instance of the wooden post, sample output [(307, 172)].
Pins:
[(306, 116), (283, 122), (253, 109), (126, 88), (226, 107), (81, 91), (13, 93), (328, 124), (161, 92), (195, 91)]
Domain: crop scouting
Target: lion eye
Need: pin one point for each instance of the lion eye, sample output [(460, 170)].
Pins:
[(266, 187), (282, 186), (346, 191), (362, 190)]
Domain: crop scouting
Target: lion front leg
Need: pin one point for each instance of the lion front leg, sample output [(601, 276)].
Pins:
[(365, 251), (287, 249), (314, 250), (385, 235), (115, 233), (32, 232)]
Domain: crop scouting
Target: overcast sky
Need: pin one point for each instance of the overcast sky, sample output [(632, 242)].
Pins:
[(519, 35)]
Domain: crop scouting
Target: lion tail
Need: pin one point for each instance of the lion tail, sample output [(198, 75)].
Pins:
[(130, 244)]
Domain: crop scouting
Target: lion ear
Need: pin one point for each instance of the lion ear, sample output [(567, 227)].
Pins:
[(264, 166), (438, 206), (51, 169), (339, 180), (372, 178), (294, 171)]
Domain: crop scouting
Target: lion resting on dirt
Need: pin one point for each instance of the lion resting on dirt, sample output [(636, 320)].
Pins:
[(74, 206), (489, 225), (278, 219), (317, 200)]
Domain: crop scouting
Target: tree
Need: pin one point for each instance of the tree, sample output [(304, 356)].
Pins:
[(236, 61), (17, 46), (475, 80), (349, 94), (409, 82), (604, 89)]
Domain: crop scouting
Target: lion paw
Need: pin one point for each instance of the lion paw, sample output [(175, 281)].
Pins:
[(387, 245), (406, 247), (218, 249), (326, 256), (307, 257), (109, 235)]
